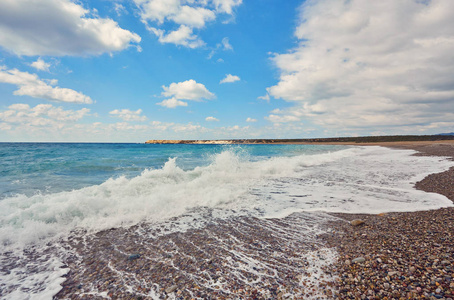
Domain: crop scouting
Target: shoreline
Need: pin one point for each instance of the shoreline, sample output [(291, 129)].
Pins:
[(407, 255), (368, 140), (402, 251)]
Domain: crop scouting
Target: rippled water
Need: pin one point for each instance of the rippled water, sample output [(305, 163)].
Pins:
[(51, 190)]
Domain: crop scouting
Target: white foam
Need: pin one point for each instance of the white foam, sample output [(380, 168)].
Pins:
[(372, 180), (354, 180)]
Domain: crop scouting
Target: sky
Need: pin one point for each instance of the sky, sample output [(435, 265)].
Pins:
[(134, 70)]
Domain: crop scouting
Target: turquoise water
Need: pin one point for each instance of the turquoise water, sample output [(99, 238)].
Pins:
[(52, 192), (30, 168)]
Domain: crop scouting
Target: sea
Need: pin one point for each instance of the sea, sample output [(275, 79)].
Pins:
[(52, 191)]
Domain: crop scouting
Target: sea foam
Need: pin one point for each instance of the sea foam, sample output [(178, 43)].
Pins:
[(353, 180)]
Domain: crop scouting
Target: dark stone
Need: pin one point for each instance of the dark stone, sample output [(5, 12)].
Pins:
[(133, 256)]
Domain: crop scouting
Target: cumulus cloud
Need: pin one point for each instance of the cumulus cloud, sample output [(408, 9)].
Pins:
[(187, 127), (31, 85), (380, 64), (251, 120), (211, 119), (182, 36), (42, 115), (186, 15), (282, 119), (226, 6), (172, 103), (230, 78), (58, 27), (41, 65), (128, 115), (186, 90)]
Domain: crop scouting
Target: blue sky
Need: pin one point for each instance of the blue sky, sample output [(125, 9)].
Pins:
[(133, 70)]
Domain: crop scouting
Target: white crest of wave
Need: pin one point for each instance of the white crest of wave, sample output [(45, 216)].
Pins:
[(359, 179), (154, 195)]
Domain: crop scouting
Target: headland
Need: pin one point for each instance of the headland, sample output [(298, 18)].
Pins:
[(364, 140)]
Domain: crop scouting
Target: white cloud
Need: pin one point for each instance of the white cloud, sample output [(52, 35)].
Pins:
[(226, 6), (58, 27), (282, 119), (31, 85), (195, 17), (230, 78), (42, 115), (128, 115), (119, 9), (41, 65), (182, 36), (250, 120), (211, 119), (172, 103), (265, 97), (177, 127), (226, 44), (370, 64), (187, 127), (187, 15), (161, 125), (186, 90)]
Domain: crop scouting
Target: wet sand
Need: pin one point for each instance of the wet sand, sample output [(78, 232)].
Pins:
[(406, 255)]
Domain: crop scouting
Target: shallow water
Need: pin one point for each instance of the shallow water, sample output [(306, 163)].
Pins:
[(49, 191)]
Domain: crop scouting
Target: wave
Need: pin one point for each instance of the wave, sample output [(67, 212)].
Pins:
[(231, 183), (358, 179)]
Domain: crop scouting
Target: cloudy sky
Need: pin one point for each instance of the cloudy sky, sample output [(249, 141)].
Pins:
[(132, 70)]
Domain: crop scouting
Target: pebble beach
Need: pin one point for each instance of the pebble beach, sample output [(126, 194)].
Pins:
[(400, 255), (387, 256)]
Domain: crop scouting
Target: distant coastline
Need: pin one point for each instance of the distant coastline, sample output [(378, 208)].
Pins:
[(338, 140)]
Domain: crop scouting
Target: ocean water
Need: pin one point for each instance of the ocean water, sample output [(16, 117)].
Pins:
[(48, 192)]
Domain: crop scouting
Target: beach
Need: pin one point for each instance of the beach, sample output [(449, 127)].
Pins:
[(407, 255), (404, 255)]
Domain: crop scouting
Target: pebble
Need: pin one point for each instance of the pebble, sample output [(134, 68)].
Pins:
[(359, 260), (357, 222), (391, 245), (171, 289), (133, 256), (210, 262)]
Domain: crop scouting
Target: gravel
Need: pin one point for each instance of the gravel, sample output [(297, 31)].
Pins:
[(385, 256), (407, 255)]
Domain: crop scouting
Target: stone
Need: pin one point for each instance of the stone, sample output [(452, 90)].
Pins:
[(357, 222), (133, 256), (171, 289), (392, 273), (359, 260), (445, 262)]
